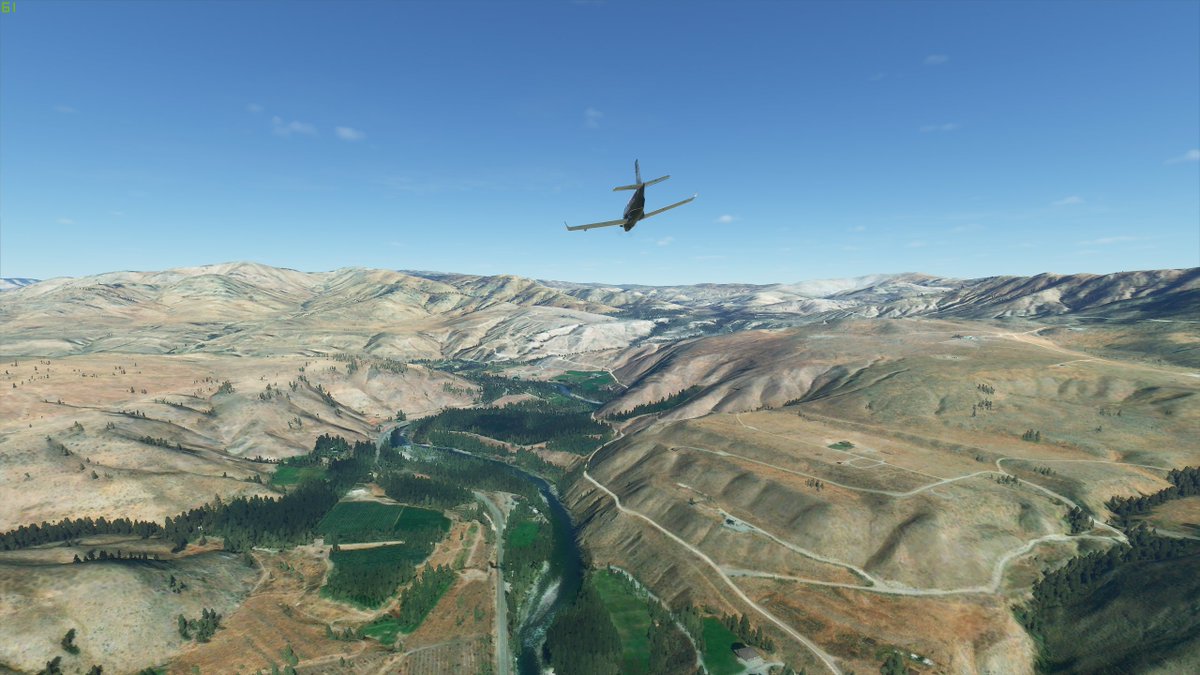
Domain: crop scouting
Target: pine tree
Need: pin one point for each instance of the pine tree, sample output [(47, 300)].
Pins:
[(68, 642)]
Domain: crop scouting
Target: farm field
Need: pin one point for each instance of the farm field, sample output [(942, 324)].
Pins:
[(593, 384), (286, 476), (365, 521), (630, 616)]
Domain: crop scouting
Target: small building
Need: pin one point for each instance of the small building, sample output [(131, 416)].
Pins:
[(747, 655)]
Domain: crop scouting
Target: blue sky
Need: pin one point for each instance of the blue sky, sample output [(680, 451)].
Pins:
[(824, 140)]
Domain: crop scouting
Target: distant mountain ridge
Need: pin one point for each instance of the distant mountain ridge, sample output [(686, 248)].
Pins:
[(8, 284), (433, 315)]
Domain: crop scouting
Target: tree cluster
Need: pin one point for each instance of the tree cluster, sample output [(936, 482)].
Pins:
[(1185, 482), (520, 423), (1032, 435), (245, 522), (93, 555), (1079, 520), (658, 406), (582, 639), (753, 636), (201, 629), (1081, 575), (422, 595), (26, 536), (360, 578), (425, 491)]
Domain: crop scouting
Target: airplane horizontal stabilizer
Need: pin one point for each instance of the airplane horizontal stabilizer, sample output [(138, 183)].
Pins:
[(638, 185)]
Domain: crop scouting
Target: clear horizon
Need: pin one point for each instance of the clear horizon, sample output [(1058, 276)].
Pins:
[(825, 140)]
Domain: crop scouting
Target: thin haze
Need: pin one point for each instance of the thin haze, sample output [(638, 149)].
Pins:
[(824, 139)]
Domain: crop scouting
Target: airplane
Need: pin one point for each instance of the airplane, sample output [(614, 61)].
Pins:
[(635, 209)]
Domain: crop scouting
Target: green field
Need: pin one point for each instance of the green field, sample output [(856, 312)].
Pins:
[(593, 384), (718, 648), (286, 476), (522, 534), (630, 616), (355, 522), (381, 556), (385, 629)]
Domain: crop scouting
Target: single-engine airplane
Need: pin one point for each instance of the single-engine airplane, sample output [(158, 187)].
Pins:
[(635, 210)]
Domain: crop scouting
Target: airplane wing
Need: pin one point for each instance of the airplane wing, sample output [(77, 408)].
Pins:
[(607, 223), (667, 208)]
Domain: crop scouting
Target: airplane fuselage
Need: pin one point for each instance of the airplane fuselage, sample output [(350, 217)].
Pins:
[(635, 209)]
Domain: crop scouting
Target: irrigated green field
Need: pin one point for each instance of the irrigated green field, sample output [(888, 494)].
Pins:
[(631, 617), (593, 384), (286, 476), (354, 522), (522, 534), (384, 629), (718, 648)]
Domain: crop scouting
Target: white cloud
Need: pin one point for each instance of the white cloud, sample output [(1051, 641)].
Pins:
[(877, 77), (65, 109), (1105, 241), (118, 213), (279, 128), (591, 118), (726, 219), (254, 108), (65, 221), (349, 134), (969, 227), (666, 241), (915, 244), (936, 59), (859, 228), (702, 258), (1189, 156), (1073, 200), (851, 248), (948, 126)]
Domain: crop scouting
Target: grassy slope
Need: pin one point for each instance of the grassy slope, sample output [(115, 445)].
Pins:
[(630, 616)]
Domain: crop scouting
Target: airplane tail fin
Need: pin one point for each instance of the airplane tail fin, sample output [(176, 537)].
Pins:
[(637, 172)]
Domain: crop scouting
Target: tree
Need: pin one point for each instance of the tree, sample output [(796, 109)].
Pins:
[(96, 670), (183, 628), (894, 665), (68, 642), (53, 667)]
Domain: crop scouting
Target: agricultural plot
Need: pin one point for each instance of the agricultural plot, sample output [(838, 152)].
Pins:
[(286, 476), (718, 648), (631, 617), (355, 522), (595, 384)]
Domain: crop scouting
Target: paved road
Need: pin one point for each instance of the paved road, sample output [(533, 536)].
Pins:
[(503, 657)]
